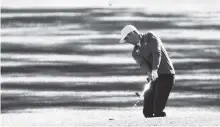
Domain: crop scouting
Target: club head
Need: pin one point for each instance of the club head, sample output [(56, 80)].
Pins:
[(137, 94)]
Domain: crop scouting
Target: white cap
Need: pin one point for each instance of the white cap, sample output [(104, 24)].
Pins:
[(125, 31)]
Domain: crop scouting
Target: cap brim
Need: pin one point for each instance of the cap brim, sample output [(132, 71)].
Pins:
[(123, 38), (122, 41)]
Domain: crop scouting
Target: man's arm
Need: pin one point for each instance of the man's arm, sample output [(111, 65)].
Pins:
[(156, 51), (143, 63)]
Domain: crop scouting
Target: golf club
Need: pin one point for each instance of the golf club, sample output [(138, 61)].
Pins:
[(146, 87)]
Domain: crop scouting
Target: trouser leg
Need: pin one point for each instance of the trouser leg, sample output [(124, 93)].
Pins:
[(163, 86), (148, 101)]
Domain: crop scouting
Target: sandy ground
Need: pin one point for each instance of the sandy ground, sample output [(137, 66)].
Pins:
[(111, 117)]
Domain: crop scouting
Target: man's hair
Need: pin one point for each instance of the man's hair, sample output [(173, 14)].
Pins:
[(136, 32)]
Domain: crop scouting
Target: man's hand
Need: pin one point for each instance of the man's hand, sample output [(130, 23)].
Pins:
[(152, 75)]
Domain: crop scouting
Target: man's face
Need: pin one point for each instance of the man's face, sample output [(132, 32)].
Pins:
[(132, 38)]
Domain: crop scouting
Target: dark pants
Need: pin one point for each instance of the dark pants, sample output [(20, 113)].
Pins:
[(155, 98)]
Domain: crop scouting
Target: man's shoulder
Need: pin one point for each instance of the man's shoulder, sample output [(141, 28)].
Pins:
[(149, 35)]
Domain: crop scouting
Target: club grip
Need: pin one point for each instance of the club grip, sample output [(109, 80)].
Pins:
[(148, 80)]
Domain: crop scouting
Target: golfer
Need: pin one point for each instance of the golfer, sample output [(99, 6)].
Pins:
[(153, 59)]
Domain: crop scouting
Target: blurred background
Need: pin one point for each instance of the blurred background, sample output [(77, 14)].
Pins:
[(65, 53)]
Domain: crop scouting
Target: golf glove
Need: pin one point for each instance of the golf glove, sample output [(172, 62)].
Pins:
[(153, 75)]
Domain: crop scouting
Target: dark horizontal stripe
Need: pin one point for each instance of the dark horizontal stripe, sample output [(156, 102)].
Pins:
[(98, 69), (31, 104), (73, 86)]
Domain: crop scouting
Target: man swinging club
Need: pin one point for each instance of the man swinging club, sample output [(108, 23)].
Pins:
[(153, 59)]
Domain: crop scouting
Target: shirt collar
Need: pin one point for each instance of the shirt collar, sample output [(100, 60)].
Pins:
[(141, 40), (139, 44)]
